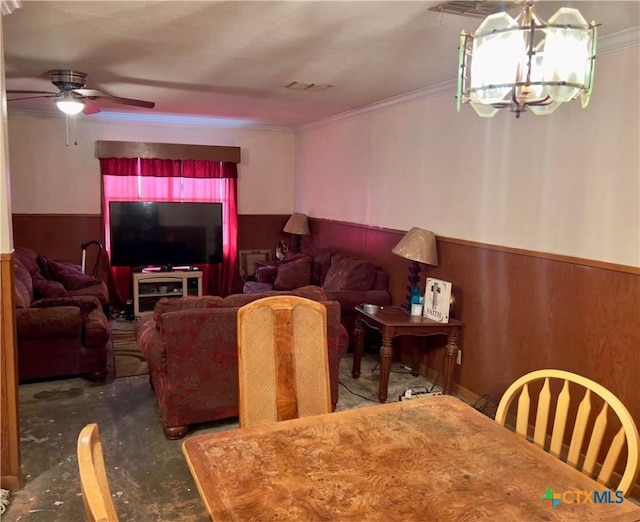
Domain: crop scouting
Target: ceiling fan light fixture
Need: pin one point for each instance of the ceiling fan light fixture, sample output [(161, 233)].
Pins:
[(70, 106)]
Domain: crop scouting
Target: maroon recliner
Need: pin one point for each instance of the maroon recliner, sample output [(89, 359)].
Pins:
[(190, 345)]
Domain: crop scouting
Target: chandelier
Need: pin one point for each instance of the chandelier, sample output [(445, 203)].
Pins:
[(526, 62)]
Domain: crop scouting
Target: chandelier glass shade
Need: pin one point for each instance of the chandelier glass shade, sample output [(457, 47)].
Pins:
[(526, 63)]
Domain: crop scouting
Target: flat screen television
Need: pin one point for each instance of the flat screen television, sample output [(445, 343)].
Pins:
[(163, 234)]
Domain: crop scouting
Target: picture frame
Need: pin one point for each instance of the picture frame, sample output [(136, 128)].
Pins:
[(437, 300), (249, 260)]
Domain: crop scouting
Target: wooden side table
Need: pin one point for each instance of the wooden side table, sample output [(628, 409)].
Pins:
[(393, 321)]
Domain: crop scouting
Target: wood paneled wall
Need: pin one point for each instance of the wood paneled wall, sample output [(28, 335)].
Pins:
[(59, 236), (521, 310)]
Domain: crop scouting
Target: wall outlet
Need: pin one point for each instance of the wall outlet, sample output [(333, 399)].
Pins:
[(459, 357)]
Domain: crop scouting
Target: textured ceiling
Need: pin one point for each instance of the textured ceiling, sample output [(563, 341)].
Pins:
[(231, 60)]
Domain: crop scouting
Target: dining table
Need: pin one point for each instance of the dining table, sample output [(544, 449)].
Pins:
[(433, 458)]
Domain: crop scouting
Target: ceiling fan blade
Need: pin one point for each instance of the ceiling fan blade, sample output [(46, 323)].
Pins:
[(33, 94), (92, 93), (90, 107)]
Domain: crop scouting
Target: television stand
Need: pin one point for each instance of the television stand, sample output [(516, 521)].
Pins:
[(149, 286)]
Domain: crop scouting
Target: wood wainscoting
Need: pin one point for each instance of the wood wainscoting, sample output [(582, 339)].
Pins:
[(9, 425), (521, 310)]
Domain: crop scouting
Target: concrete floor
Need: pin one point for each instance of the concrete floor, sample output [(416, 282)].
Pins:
[(148, 475)]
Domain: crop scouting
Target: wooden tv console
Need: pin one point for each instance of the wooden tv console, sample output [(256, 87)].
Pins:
[(150, 287)]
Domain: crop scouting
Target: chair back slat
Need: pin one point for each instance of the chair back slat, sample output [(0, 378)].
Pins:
[(612, 457), (560, 421), (522, 418), (286, 382), (579, 429), (283, 360), (597, 435), (542, 415)]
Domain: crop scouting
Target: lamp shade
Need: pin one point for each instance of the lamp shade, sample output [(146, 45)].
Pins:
[(297, 224), (418, 245)]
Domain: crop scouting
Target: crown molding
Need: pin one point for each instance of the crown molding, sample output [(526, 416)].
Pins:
[(606, 44), (618, 41)]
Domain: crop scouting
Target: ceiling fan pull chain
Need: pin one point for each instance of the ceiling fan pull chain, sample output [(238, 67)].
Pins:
[(75, 131)]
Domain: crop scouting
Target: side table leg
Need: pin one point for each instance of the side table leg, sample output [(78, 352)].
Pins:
[(358, 346), (450, 357), (386, 357)]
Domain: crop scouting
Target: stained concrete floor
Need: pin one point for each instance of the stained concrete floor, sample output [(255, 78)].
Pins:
[(148, 476)]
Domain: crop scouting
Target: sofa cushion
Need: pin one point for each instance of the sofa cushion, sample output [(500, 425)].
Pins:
[(320, 263), (26, 256), (293, 274), (71, 276), (349, 273), (44, 287)]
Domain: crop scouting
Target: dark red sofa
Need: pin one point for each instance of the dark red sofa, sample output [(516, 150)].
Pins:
[(61, 330), (349, 280)]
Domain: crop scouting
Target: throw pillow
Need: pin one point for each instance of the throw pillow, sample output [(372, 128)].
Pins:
[(293, 274), (71, 276), (349, 273), (320, 265), (44, 288), (45, 267)]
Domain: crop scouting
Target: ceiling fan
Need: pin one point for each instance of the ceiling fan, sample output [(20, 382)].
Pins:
[(73, 96)]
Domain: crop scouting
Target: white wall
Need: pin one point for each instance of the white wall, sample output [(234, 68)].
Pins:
[(567, 183), (6, 231), (48, 177)]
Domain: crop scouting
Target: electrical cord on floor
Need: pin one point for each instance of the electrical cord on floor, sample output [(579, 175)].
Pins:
[(356, 394), (484, 405)]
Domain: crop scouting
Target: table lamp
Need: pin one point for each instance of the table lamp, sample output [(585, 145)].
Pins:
[(419, 246), (298, 226)]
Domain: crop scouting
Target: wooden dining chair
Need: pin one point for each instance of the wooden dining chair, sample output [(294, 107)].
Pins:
[(589, 426), (283, 360), (93, 477)]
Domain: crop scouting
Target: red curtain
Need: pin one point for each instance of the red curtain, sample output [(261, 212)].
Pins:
[(138, 179)]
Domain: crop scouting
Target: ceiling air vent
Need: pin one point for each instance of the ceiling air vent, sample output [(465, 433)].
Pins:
[(473, 9)]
